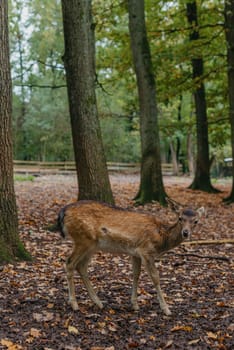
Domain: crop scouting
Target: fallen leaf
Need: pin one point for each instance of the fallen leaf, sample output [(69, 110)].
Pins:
[(220, 304), (35, 333), (73, 330), (50, 306), (44, 317), (111, 311), (194, 341), (112, 327), (231, 327), (152, 337), (212, 335), (10, 345), (182, 328), (168, 344)]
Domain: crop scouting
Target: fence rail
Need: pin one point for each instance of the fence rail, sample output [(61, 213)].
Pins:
[(39, 168)]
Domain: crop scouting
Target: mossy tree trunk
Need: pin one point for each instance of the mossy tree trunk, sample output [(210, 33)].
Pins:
[(151, 186), (11, 247), (79, 59), (202, 172), (229, 30)]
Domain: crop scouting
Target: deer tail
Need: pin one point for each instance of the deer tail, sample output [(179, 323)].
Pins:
[(60, 222)]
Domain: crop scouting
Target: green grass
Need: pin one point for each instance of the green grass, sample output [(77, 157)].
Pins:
[(23, 178)]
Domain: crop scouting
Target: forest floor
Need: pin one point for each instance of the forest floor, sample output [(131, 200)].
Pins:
[(197, 279)]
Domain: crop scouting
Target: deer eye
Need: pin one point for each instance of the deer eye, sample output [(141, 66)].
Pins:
[(180, 218), (195, 221)]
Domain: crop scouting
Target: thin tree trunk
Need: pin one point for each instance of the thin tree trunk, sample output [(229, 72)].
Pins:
[(79, 59), (174, 159), (190, 153), (178, 146), (229, 30), (202, 172), (151, 186), (10, 245), (20, 133)]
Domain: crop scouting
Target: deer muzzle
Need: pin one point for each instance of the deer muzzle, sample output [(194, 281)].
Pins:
[(185, 233)]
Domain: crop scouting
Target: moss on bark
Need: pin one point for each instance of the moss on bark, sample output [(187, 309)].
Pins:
[(10, 253), (203, 184)]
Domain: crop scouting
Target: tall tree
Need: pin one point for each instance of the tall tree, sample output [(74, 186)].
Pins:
[(202, 172), (10, 245), (229, 30), (79, 62), (151, 186)]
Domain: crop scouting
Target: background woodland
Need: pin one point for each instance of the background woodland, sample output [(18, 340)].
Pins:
[(40, 114)]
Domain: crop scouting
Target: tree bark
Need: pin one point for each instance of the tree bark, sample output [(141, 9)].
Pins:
[(10, 245), (79, 59), (202, 172), (190, 153), (174, 159), (229, 30), (151, 186)]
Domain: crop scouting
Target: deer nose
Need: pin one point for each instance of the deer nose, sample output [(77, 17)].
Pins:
[(185, 233)]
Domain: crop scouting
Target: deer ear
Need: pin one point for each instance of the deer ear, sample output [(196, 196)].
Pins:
[(173, 205), (201, 211)]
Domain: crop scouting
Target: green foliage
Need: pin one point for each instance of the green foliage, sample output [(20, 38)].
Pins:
[(120, 143), (41, 122)]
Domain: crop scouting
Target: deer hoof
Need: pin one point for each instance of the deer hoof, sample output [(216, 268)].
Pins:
[(99, 304), (135, 307), (167, 312), (74, 305)]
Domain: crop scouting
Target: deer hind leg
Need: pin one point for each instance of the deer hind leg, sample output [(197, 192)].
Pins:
[(136, 267), (154, 275), (82, 268), (70, 267)]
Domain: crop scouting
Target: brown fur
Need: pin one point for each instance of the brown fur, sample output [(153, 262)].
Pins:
[(95, 226)]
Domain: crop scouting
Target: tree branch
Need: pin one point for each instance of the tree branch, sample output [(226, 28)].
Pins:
[(59, 67), (42, 86), (174, 30)]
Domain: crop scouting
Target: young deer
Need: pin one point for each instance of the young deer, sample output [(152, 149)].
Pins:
[(94, 226)]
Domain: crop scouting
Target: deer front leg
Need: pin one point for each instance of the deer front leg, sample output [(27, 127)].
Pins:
[(82, 268), (79, 260), (136, 267), (154, 274)]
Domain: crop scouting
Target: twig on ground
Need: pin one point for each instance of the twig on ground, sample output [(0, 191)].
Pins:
[(216, 257), (210, 241)]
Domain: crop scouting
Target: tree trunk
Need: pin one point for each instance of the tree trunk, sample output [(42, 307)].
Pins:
[(202, 172), (229, 30), (79, 59), (178, 146), (151, 186), (174, 159), (10, 245), (190, 153), (20, 141)]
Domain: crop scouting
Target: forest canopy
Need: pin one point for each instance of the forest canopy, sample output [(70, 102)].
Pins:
[(40, 109)]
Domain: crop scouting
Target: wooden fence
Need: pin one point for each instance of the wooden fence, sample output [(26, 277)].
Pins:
[(39, 168)]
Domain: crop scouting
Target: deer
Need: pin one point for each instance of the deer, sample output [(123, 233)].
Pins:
[(95, 226)]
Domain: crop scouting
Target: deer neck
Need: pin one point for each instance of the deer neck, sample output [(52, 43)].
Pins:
[(173, 237)]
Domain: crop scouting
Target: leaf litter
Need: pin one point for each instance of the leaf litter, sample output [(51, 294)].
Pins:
[(34, 313)]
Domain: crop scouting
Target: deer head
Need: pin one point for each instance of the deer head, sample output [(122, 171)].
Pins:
[(187, 218)]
